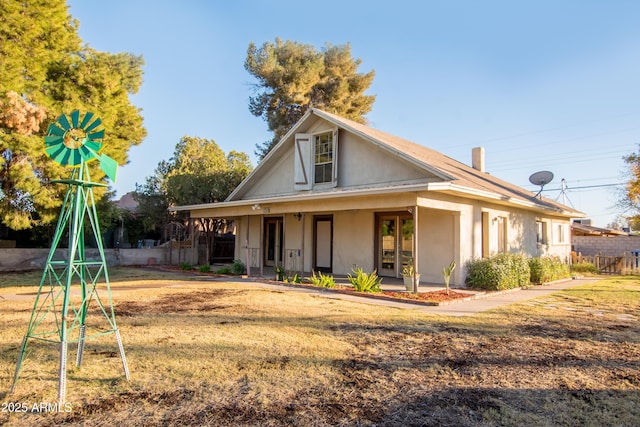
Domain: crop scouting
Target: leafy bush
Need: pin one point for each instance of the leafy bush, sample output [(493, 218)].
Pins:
[(322, 280), (186, 266), (204, 268), (547, 269), (238, 267), (584, 268), (223, 270), (499, 272), (365, 282)]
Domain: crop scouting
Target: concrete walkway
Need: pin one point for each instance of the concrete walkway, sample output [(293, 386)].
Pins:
[(463, 308)]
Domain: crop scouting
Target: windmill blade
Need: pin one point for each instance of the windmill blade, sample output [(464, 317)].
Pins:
[(55, 130), (75, 115), (87, 118), (53, 140), (64, 122), (97, 122), (96, 135)]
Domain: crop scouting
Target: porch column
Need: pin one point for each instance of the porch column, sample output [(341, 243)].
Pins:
[(302, 248), (247, 260), (260, 253), (416, 266)]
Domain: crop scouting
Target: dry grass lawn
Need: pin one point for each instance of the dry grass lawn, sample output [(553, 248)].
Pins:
[(224, 353)]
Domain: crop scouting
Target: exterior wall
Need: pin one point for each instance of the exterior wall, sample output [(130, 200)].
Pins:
[(602, 245), (353, 240), (436, 234), (356, 157), (35, 259)]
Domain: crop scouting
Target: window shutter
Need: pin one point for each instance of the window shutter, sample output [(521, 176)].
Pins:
[(335, 158), (302, 164)]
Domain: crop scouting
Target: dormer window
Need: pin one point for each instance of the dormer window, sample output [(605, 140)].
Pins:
[(323, 158), (316, 160)]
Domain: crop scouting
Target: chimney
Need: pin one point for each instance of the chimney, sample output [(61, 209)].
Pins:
[(477, 158)]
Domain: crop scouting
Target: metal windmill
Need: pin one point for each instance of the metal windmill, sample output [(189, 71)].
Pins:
[(60, 315)]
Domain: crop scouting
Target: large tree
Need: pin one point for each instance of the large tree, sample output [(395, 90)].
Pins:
[(46, 71), (293, 77), (629, 198), (198, 172)]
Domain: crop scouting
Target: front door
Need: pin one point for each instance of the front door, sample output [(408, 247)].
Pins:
[(273, 241), (323, 248), (395, 243)]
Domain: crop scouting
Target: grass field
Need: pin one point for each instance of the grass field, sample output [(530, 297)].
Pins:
[(223, 353)]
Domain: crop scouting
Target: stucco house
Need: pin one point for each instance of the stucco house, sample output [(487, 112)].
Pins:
[(334, 194)]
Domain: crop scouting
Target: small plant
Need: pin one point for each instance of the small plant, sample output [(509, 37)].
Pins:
[(322, 280), (279, 273), (238, 267), (204, 268), (295, 278), (407, 269), (186, 266), (446, 273), (223, 270), (365, 282)]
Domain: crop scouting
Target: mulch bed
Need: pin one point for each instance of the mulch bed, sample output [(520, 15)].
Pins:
[(440, 297)]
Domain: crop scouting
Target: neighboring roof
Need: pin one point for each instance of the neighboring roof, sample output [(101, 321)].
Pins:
[(589, 230), (127, 202), (456, 177)]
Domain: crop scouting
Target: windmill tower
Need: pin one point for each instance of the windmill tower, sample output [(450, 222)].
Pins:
[(60, 315)]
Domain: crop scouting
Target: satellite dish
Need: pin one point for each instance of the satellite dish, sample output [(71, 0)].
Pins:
[(541, 178)]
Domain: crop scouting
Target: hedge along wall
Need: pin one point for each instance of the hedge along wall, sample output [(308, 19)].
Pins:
[(22, 259), (600, 245)]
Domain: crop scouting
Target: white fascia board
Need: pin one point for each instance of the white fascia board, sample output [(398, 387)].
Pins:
[(307, 196), (487, 195)]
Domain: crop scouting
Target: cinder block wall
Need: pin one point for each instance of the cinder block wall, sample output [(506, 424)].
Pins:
[(599, 245), (34, 259)]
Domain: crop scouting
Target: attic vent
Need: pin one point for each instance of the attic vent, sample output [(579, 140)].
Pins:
[(477, 158)]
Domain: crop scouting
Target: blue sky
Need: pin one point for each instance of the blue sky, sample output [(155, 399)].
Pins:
[(542, 85)]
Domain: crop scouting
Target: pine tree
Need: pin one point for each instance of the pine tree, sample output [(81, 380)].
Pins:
[(46, 72), (293, 77)]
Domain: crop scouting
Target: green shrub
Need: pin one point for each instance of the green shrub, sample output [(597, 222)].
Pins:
[(501, 271), (365, 282), (548, 269), (322, 280), (186, 266), (584, 268), (223, 270), (204, 268), (238, 267)]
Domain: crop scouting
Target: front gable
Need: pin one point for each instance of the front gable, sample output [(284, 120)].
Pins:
[(319, 156)]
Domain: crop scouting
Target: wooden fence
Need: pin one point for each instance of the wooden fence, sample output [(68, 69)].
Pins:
[(627, 263)]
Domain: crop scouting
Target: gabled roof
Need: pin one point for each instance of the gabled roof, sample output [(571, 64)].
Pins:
[(456, 177)]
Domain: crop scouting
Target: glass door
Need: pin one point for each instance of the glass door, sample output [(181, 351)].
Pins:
[(387, 261), (273, 241), (395, 244)]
